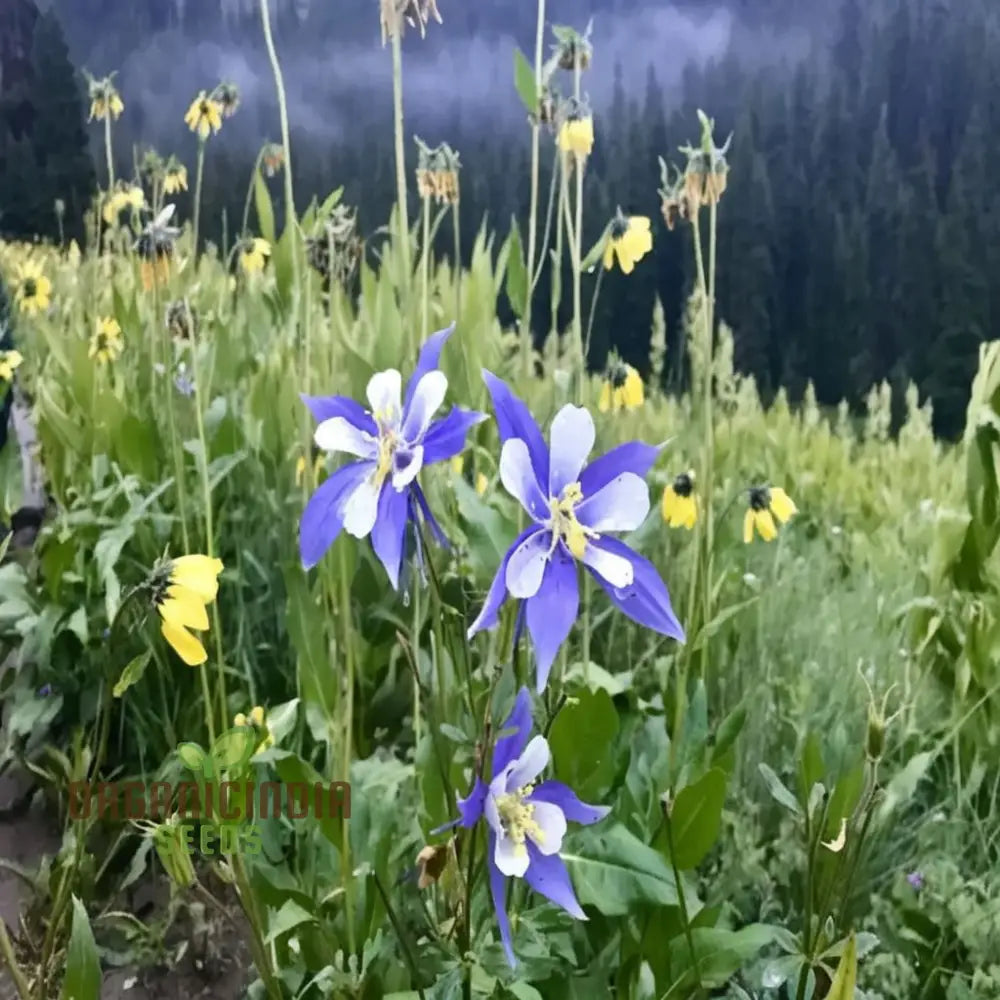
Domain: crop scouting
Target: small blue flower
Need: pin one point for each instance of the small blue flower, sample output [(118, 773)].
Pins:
[(45, 690), (526, 820), (573, 505), (379, 495), (916, 880), (184, 384)]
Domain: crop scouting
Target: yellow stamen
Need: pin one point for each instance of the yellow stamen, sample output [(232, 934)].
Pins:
[(518, 818)]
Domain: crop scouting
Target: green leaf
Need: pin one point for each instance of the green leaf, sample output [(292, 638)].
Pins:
[(83, 965), (695, 818), (234, 748), (581, 740), (903, 785), (265, 210), (846, 976), (615, 871), (193, 757), (729, 732), (720, 952), (281, 719), (779, 791), (517, 272), (290, 916), (132, 673), (709, 629), (524, 81)]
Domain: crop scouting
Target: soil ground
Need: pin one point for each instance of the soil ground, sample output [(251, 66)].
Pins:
[(215, 964)]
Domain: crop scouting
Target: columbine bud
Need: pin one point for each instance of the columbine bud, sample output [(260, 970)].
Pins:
[(707, 170), (875, 739)]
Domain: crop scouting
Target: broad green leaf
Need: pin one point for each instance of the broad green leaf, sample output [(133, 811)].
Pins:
[(517, 272), (903, 784), (194, 757), (846, 976), (695, 818), (290, 916), (720, 953), (265, 210), (234, 748), (728, 732), (132, 673), (779, 791), (83, 964), (614, 871), (582, 741), (524, 81)]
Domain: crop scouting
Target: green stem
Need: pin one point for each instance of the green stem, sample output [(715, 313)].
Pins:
[(556, 289), (250, 190), (578, 166), (681, 901), (403, 215), (456, 229), (198, 180), (467, 909), (425, 270), (347, 879), (257, 945), (107, 151), (398, 927), (7, 954), (526, 337), (286, 142)]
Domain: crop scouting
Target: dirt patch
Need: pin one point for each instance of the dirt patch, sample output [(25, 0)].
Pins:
[(206, 954)]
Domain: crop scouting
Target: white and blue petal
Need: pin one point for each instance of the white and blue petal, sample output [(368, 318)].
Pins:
[(634, 456), (550, 614), (517, 473), (498, 887), (621, 505), (384, 393), (517, 727), (428, 359), (548, 877), (526, 565), (646, 600), (514, 420), (529, 765), (322, 519), (497, 594), (571, 440), (340, 434), (407, 462), (389, 532), (327, 407), (551, 827), (423, 404), (445, 438), (613, 568), (510, 858), (565, 798), (361, 508)]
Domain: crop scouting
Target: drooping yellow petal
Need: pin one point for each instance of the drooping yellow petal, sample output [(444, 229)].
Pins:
[(604, 402), (609, 254), (183, 607), (687, 513), (669, 504), (633, 391), (782, 505), (765, 525), (197, 573), (184, 644), (748, 524)]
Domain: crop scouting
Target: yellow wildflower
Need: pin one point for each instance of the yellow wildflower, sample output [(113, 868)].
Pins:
[(622, 389), (680, 503), (630, 239), (204, 116), (765, 504), (175, 178), (106, 345), (576, 135), (9, 360), (258, 721), (186, 586), (253, 255), (34, 290)]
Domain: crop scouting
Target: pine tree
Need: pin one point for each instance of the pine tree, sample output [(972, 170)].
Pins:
[(65, 169)]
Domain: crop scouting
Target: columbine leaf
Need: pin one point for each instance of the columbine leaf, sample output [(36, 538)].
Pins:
[(779, 791), (695, 817), (524, 81), (132, 673)]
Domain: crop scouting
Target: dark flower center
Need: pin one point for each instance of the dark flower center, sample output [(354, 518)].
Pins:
[(619, 227), (683, 485), (617, 375), (760, 497), (30, 288)]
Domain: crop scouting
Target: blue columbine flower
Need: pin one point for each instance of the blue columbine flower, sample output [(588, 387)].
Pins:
[(572, 505), (379, 495), (526, 820)]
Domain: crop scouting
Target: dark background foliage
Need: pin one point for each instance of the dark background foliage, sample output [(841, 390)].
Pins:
[(859, 233)]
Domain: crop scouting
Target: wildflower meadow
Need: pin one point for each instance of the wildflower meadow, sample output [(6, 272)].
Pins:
[(637, 694)]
